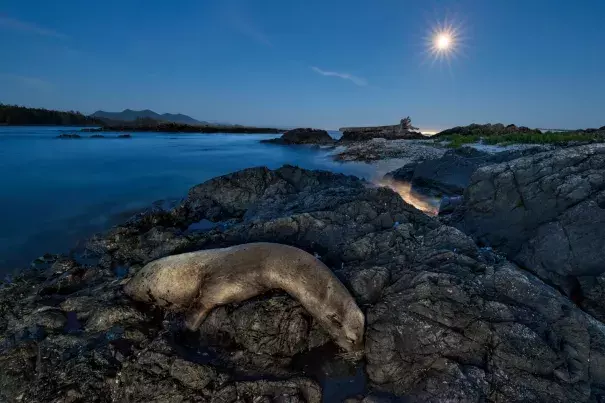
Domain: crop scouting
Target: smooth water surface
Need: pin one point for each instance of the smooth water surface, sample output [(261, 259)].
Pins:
[(55, 192)]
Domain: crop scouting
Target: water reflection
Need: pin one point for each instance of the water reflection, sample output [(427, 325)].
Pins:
[(429, 205)]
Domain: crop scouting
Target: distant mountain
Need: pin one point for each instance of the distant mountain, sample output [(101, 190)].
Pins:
[(128, 115)]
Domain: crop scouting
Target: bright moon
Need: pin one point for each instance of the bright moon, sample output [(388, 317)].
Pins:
[(443, 41)]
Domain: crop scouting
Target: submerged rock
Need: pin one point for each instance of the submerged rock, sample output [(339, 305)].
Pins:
[(69, 136)]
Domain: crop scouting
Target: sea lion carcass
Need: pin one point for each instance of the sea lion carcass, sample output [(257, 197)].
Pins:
[(197, 282)]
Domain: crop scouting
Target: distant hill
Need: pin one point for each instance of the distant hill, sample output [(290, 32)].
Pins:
[(128, 115), (15, 115)]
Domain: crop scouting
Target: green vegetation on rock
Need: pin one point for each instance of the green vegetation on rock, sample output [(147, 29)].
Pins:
[(546, 138), (459, 140)]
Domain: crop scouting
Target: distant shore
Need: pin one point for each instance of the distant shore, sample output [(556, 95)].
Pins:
[(182, 128)]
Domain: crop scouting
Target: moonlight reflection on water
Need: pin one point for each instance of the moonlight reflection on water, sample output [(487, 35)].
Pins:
[(423, 203)]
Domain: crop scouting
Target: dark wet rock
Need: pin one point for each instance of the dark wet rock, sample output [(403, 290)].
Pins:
[(381, 149), (69, 281), (446, 320), (367, 284), (303, 136), (46, 317), (451, 174), (487, 130), (547, 213), (449, 204), (105, 318), (69, 136), (124, 136), (403, 131)]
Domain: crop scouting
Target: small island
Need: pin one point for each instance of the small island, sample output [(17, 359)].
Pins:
[(303, 136)]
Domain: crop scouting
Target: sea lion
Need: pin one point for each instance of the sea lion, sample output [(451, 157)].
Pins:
[(197, 282)]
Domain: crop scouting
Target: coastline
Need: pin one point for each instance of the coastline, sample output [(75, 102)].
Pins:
[(392, 258)]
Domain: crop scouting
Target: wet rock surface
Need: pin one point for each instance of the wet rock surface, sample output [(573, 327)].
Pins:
[(445, 319), (381, 149), (546, 212), (451, 174)]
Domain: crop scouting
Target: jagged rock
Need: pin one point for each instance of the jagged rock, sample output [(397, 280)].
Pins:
[(380, 149), (403, 131), (303, 136), (487, 130), (367, 284), (105, 318), (445, 319), (451, 174), (546, 212)]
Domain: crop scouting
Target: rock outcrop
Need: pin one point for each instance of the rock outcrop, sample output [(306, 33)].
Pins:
[(489, 129), (451, 174), (381, 149), (403, 131), (445, 319), (546, 212), (303, 136)]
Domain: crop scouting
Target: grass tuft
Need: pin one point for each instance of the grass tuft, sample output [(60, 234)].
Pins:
[(458, 140)]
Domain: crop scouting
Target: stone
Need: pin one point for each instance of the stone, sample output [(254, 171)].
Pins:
[(451, 174), (446, 319), (487, 130), (404, 130), (547, 213), (104, 318), (303, 136), (367, 284)]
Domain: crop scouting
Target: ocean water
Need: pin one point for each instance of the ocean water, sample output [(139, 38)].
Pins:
[(56, 192)]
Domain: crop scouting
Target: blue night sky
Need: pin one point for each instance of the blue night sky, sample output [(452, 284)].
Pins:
[(321, 63)]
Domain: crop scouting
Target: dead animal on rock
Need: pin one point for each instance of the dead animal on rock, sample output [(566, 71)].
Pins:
[(198, 282)]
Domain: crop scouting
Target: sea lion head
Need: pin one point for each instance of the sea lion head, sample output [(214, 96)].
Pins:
[(346, 326)]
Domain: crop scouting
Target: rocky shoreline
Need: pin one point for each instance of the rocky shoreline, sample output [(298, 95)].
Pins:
[(510, 312)]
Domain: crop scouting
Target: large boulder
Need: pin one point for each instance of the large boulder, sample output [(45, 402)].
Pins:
[(303, 136), (547, 213), (403, 131), (446, 320), (451, 174)]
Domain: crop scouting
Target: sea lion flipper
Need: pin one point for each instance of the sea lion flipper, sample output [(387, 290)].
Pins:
[(195, 317)]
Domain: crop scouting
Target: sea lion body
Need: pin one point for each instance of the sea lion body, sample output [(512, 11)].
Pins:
[(197, 282)]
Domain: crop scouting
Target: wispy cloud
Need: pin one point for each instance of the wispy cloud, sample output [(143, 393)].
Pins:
[(14, 24), (239, 19), (33, 83), (345, 76)]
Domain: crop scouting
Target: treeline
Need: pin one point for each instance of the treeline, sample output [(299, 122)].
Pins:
[(151, 125), (20, 115)]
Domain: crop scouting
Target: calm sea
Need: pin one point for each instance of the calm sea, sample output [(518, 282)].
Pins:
[(55, 192)]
